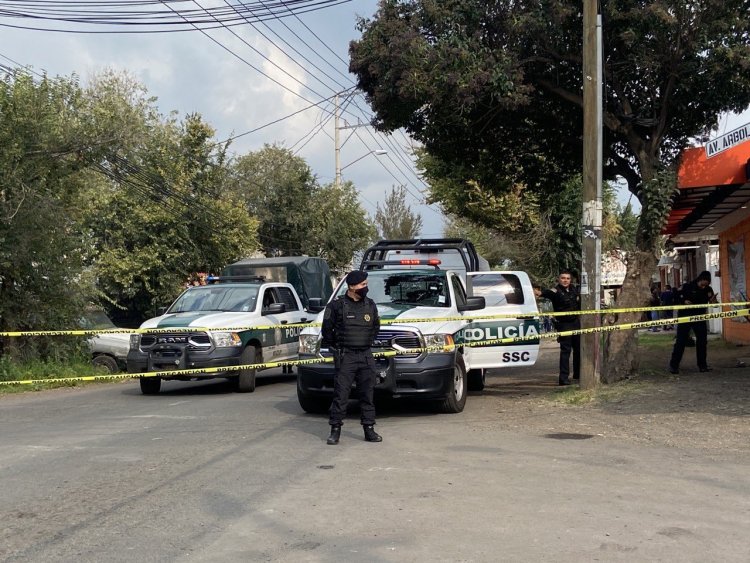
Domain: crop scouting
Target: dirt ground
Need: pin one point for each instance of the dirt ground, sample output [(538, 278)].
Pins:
[(706, 411)]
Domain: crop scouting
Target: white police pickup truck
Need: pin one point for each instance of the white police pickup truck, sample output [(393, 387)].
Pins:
[(407, 280), (244, 302)]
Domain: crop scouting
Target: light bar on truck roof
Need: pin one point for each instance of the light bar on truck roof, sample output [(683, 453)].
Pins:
[(368, 264), (417, 262)]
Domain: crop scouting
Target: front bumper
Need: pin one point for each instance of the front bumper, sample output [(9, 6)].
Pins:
[(428, 377), (177, 357)]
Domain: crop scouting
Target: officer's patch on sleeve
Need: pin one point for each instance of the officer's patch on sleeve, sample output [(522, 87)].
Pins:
[(327, 314)]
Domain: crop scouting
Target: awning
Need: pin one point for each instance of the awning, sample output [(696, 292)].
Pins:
[(714, 192)]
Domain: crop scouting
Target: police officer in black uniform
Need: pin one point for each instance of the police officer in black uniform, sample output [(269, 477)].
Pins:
[(694, 292), (350, 324), (565, 297)]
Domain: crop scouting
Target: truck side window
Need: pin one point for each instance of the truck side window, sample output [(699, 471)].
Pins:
[(498, 289), (287, 298), (268, 298), (458, 289)]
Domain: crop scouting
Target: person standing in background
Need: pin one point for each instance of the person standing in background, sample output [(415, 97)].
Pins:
[(565, 297), (698, 291)]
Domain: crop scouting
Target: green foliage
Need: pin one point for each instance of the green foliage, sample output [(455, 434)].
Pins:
[(276, 187), (656, 195), (341, 227), (296, 215), (552, 241), (492, 90), (42, 143), (396, 220), (166, 214), (77, 365), (103, 199)]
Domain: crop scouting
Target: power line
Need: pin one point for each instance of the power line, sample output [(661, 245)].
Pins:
[(296, 51), (148, 16), (279, 120), (264, 57), (27, 67)]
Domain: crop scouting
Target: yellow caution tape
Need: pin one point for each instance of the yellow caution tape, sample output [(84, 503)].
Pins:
[(177, 330), (319, 360)]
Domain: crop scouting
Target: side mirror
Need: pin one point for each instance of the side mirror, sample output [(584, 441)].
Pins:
[(472, 304), (315, 305), (275, 309), (161, 310)]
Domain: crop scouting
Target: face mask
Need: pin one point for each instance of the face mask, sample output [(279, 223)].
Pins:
[(362, 292)]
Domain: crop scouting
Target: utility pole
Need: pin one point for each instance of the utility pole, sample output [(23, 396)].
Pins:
[(592, 192), (337, 141)]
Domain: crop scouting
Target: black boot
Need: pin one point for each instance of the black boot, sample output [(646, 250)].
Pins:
[(333, 437), (371, 435)]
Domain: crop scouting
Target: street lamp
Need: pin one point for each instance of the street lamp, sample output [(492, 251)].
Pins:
[(337, 144), (376, 152)]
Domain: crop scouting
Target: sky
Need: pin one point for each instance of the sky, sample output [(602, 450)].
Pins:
[(223, 75)]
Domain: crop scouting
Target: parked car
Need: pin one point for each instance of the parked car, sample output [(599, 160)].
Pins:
[(109, 351)]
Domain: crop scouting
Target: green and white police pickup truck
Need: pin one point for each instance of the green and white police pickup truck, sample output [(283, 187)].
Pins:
[(238, 300), (433, 279)]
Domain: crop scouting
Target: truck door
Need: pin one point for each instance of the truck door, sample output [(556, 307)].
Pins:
[(505, 293), (285, 339)]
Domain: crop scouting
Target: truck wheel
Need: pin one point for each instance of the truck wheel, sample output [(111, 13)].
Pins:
[(245, 381), (150, 385), (313, 405), (456, 400), (106, 362), (477, 378)]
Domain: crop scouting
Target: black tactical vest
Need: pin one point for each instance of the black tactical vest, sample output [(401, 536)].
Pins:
[(357, 320)]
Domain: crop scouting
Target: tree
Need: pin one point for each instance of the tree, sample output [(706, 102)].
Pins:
[(296, 215), (45, 138), (276, 187), (396, 220), (341, 227), (166, 214), (492, 89), (551, 241)]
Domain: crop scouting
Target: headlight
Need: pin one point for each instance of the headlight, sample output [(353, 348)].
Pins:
[(309, 343), (226, 339), (444, 341), (135, 341)]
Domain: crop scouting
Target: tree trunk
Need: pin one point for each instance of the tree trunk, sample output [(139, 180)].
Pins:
[(621, 347)]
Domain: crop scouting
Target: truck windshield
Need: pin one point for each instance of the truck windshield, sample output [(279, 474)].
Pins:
[(406, 288), (223, 298)]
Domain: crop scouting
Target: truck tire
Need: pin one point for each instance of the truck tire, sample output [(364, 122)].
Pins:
[(106, 362), (150, 385), (477, 378), (312, 405), (245, 381), (456, 399)]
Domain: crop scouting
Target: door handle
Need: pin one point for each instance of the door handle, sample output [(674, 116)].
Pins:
[(303, 320), (284, 322)]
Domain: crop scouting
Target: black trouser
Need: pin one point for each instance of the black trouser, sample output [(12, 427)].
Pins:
[(359, 366), (700, 328), (568, 344)]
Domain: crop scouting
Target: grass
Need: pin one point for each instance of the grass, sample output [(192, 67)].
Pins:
[(656, 340), (611, 393), (38, 369)]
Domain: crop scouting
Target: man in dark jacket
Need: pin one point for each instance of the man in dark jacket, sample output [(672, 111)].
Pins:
[(565, 297), (695, 292), (350, 324)]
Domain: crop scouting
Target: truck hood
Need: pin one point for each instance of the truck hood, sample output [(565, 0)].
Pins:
[(207, 319)]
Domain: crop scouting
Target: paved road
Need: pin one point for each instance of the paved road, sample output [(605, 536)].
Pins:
[(198, 473)]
